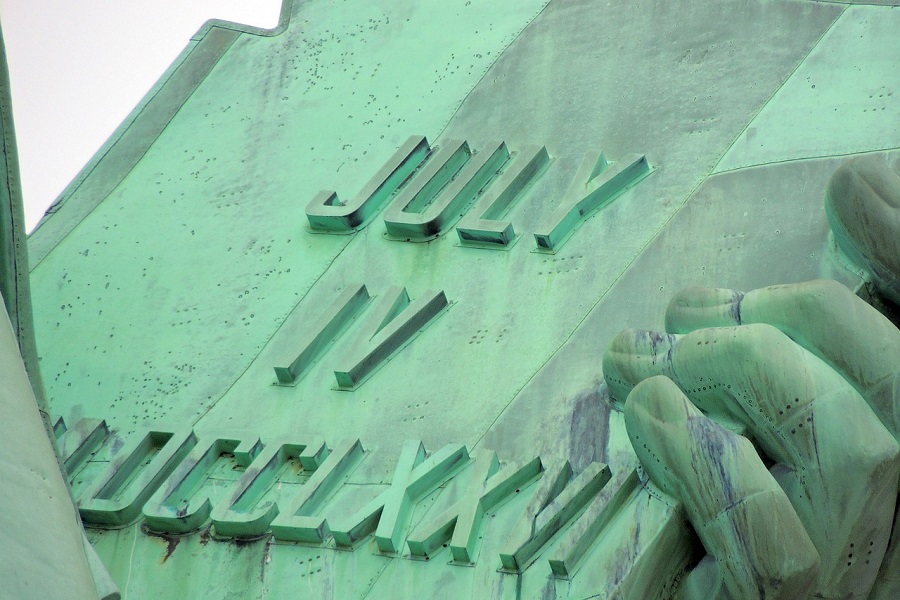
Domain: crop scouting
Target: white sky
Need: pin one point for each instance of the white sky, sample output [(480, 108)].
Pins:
[(78, 67)]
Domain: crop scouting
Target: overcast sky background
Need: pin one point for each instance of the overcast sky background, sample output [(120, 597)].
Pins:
[(78, 67)]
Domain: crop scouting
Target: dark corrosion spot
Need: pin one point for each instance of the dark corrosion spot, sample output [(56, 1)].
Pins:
[(170, 540)]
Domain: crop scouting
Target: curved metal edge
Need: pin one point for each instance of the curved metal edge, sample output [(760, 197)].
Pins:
[(140, 130)]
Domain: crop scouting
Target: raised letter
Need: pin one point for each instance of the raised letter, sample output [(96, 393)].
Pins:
[(117, 496), (297, 522), (578, 540), (238, 514), (326, 213), (539, 525), (335, 320), (433, 200), (388, 513), (77, 443), (486, 489), (394, 321), (480, 226), (170, 509), (601, 184)]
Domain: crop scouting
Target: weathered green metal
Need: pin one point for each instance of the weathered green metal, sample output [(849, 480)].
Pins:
[(15, 283), (400, 376), (863, 208), (46, 553), (836, 460)]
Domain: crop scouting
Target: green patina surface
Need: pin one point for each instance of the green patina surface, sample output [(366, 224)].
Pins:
[(50, 554), (179, 269)]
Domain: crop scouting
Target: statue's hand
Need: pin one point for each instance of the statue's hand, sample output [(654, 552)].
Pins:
[(797, 366)]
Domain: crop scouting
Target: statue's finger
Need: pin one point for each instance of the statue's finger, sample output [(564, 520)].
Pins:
[(887, 584), (862, 203), (634, 355), (822, 316), (742, 516), (839, 463)]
